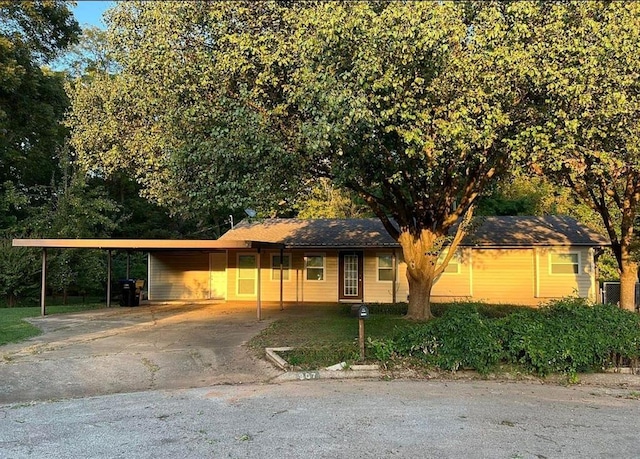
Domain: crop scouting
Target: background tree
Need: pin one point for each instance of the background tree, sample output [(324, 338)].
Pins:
[(32, 99), (32, 102), (228, 104), (325, 200), (584, 75)]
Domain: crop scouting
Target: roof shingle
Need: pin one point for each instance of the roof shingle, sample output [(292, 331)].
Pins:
[(369, 232)]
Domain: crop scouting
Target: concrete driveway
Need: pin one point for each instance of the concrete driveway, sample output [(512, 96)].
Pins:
[(133, 349)]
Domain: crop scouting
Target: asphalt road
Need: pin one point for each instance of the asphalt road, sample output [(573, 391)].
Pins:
[(332, 419)]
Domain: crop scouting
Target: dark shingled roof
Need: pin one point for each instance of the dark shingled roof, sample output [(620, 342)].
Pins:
[(369, 232)]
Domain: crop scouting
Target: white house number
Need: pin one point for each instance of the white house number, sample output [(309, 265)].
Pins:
[(307, 375)]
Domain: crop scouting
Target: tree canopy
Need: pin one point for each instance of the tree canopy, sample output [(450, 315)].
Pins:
[(227, 104), (585, 77)]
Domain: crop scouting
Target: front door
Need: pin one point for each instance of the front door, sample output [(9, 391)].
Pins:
[(350, 276)]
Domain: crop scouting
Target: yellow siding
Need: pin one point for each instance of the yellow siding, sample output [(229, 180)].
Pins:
[(376, 291), (504, 276), (325, 290), (518, 276), (450, 285), (559, 285), (218, 275), (179, 276), (297, 288)]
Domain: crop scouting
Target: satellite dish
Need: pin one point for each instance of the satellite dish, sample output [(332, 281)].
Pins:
[(250, 212)]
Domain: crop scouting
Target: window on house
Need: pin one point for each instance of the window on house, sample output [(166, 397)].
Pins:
[(385, 268), (315, 267), (275, 267), (564, 263), (453, 267), (246, 274)]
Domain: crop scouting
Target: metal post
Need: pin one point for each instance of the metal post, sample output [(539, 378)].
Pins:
[(281, 280), (128, 264), (43, 288), (259, 305), (108, 278), (361, 337)]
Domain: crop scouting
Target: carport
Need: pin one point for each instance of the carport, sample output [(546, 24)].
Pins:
[(147, 245)]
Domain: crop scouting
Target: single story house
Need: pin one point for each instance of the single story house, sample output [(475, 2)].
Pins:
[(521, 260)]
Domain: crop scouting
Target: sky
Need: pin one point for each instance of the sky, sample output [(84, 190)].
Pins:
[(90, 12)]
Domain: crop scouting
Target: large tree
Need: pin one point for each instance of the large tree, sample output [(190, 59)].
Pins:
[(585, 77), (225, 104), (32, 98)]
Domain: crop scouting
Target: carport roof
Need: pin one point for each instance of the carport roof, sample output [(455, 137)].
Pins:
[(144, 244)]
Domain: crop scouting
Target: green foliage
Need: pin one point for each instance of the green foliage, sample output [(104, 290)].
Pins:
[(327, 201), (566, 336), (460, 339), (570, 336), (314, 357), (32, 99), (583, 131), (19, 272), (235, 104)]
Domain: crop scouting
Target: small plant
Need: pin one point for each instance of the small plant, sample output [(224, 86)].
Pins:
[(383, 350)]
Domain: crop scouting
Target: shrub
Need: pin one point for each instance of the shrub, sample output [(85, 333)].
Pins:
[(570, 336), (461, 338)]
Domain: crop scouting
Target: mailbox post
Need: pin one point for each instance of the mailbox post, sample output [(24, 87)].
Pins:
[(363, 313)]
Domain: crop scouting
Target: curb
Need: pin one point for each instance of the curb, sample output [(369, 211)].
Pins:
[(327, 374)]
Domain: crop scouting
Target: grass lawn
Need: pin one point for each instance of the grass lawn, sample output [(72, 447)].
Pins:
[(13, 328)]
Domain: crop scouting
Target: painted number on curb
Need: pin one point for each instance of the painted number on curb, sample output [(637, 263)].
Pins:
[(308, 375)]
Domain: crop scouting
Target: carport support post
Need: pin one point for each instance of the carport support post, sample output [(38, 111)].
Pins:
[(108, 278), (128, 264), (43, 288), (259, 297)]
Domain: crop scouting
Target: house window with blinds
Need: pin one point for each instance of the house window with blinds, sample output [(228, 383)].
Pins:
[(275, 267), (564, 263)]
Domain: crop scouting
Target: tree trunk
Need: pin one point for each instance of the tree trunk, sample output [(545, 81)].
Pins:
[(628, 279), (628, 265), (421, 258), (419, 299)]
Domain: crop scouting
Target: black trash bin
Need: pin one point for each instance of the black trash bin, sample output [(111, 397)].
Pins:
[(128, 295)]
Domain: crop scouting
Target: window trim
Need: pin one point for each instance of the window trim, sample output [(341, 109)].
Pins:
[(551, 263), (255, 274), (276, 268), (456, 260), (390, 268), (324, 266)]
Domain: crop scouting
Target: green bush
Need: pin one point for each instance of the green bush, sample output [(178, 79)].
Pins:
[(461, 338), (570, 336), (565, 336)]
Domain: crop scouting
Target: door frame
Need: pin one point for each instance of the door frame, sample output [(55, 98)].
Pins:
[(341, 257)]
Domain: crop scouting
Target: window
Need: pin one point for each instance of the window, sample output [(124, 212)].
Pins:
[(385, 268), (315, 267), (453, 267), (246, 274), (564, 263), (275, 267)]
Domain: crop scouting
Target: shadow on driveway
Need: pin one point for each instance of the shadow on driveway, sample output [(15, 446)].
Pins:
[(116, 350)]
